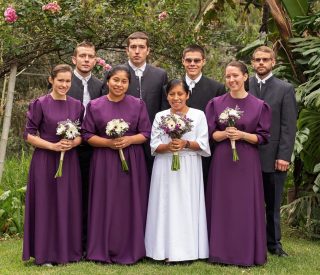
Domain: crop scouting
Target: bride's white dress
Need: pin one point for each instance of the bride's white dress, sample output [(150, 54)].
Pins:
[(176, 222)]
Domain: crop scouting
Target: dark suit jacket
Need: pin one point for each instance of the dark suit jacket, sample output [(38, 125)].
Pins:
[(280, 96), (152, 83), (203, 91), (94, 88)]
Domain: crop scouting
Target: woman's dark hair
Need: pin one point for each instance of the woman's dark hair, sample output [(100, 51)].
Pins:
[(175, 82), (116, 69), (243, 68), (61, 68)]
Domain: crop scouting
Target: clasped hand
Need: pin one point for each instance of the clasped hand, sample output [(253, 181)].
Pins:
[(233, 133), (63, 145), (120, 143), (176, 145), (281, 165)]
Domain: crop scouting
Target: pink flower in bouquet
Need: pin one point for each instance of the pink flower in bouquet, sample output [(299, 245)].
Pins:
[(10, 15), (162, 16), (52, 6)]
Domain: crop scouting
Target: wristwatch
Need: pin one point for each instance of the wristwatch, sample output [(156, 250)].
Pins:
[(187, 144)]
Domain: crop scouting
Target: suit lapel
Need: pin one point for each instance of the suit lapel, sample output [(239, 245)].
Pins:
[(144, 81), (254, 87)]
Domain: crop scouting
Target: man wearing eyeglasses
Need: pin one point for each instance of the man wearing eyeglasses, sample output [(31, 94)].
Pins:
[(275, 156), (202, 88)]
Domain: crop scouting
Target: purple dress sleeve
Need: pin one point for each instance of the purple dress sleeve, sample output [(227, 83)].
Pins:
[(34, 118), (144, 125), (263, 128), (88, 126), (211, 118)]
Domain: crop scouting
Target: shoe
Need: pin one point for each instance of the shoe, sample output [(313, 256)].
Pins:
[(47, 265), (279, 252)]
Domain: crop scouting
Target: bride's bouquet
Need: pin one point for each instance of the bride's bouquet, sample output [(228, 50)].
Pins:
[(117, 128), (68, 130), (175, 126), (230, 116)]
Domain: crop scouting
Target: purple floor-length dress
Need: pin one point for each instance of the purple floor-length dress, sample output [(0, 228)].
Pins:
[(52, 229), (234, 196), (117, 199)]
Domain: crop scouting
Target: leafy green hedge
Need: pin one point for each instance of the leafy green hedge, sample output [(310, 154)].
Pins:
[(12, 194)]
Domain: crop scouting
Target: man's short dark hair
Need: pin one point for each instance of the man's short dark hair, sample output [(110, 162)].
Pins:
[(85, 44), (138, 35), (194, 48)]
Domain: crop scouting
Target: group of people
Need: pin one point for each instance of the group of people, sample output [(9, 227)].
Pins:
[(218, 206)]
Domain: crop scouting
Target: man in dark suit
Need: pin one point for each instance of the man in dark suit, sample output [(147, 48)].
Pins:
[(275, 156), (202, 89), (84, 86), (146, 80)]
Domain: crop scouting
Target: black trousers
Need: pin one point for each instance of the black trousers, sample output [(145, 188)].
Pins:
[(273, 184), (84, 154)]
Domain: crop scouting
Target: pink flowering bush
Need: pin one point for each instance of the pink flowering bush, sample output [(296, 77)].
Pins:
[(101, 67), (52, 6), (162, 16), (10, 15), (102, 63)]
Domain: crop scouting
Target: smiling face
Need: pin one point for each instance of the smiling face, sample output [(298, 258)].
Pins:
[(235, 79), (177, 98), (193, 63), (60, 84), (118, 85), (84, 60), (137, 51), (262, 63)]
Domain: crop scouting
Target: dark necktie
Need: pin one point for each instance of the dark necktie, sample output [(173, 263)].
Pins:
[(139, 74)]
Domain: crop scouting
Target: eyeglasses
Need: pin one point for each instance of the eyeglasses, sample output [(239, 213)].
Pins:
[(195, 60), (264, 60)]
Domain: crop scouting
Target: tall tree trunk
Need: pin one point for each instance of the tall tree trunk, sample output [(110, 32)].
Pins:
[(7, 116), (3, 93)]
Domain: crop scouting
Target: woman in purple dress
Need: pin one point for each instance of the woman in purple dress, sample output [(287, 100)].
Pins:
[(117, 198), (234, 196), (52, 229)]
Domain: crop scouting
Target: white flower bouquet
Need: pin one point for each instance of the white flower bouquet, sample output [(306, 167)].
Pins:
[(117, 128), (68, 130), (175, 126), (229, 116)]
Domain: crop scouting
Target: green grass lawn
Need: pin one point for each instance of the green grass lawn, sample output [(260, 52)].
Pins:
[(304, 259)]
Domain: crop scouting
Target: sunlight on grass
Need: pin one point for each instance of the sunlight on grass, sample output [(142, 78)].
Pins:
[(304, 259)]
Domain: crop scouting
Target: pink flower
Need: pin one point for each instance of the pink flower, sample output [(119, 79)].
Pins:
[(52, 6), (101, 61), (162, 16), (107, 67), (10, 15)]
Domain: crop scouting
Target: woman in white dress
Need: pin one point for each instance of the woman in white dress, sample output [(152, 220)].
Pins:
[(176, 222)]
